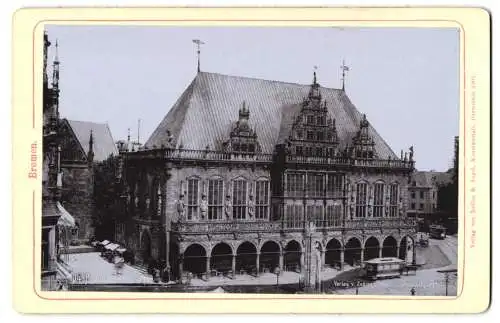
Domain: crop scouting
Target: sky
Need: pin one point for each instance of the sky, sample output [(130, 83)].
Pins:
[(406, 80)]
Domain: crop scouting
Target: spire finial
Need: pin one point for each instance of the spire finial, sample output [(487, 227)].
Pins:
[(314, 78), (90, 155), (55, 69), (56, 58), (345, 69), (198, 43)]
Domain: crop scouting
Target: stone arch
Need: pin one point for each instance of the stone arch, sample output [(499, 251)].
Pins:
[(194, 258), (372, 248), (333, 250), (246, 257), (291, 256), (406, 245), (263, 242), (353, 251), (270, 252), (221, 257), (390, 247)]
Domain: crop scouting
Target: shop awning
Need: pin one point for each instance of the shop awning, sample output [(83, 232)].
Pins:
[(66, 219)]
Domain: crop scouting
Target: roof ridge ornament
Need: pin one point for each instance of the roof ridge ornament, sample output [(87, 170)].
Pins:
[(345, 69), (198, 51)]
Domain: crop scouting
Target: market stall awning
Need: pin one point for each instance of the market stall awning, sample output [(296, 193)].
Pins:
[(66, 219), (104, 242), (121, 250), (112, 246)]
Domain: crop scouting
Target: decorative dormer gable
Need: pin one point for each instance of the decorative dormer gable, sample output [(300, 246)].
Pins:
[(314, 132), (363, 143), (243, 139)]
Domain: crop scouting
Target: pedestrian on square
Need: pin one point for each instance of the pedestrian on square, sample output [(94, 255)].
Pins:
[(412, 291)]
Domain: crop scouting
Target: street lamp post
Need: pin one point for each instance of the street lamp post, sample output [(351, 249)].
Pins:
[(277, 273), (447, 272)]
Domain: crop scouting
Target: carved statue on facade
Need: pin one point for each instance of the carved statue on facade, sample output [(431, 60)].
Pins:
[(228, 207), (400, 207), (136, 201), (170, 139), (148, 202), (181, 207), (204, 207), (251, 207)]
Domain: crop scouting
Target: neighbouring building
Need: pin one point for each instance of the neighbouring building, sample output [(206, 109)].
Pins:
[(84, 145), (250, 175), (423, 194), (55, 219)]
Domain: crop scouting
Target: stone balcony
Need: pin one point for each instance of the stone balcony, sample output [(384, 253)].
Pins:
[(230, 227)]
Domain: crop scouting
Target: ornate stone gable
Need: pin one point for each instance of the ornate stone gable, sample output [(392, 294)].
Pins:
[(363, 143), (313, 133), (243, 139)]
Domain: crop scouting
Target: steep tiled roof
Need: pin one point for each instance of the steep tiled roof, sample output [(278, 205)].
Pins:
[(206, 111), (104, 144), (426, 179)]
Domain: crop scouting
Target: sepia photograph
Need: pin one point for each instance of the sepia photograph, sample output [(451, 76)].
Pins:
[(247, 159)]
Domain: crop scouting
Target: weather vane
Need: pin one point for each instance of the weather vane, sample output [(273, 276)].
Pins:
[(198, 44), (345, 69)]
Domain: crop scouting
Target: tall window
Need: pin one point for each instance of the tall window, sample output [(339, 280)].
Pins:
[(239, 199), (333, 216), (334, 185), (421, 194), (315, 184), (393, 201), (299, 151), (294, 216), (310, 135), (215, 201), (310, 119), (361, 200), (262, 199), (378, 200), (192, 198), (315, 213), (295, 184)]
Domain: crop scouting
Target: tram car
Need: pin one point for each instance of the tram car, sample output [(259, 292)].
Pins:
[(437, 231), (389, 267)]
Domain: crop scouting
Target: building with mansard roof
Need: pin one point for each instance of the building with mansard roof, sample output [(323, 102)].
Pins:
[(423, 195), (246, 175)]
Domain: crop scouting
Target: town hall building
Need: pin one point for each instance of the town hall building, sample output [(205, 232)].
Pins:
[(247, 175)]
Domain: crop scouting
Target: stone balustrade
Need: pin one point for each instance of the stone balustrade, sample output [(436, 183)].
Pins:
[(215, 227)]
